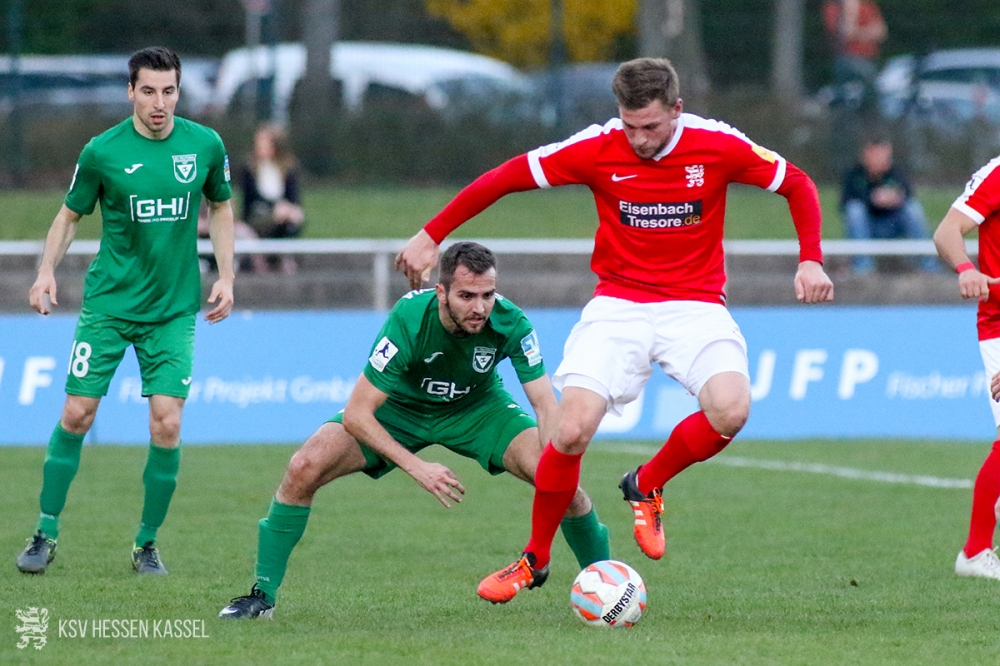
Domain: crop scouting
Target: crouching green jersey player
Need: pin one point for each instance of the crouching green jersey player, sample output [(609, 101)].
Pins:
[(431, 379), (142, 289)]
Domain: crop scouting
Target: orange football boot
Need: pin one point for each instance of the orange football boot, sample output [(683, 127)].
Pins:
[(648, 528), (499, 588)]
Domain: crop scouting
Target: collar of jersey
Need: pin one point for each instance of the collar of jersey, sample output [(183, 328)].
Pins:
[(673, 140)]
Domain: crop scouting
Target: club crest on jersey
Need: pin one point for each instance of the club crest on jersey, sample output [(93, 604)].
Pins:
[(695, 175), (185, 168), (482, 359)]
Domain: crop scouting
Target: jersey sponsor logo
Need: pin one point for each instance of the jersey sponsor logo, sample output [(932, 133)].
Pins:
[(532, 350), (432, 357), (660, 216), (695, 175), (185, 168), (130, 170), (482, 359), (443, 389), (617, 179), (225, 168), (384, 351), (765, 154), (173, 209)]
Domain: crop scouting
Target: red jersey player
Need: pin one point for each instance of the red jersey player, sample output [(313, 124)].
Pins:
[(979, 206), (659, 178)]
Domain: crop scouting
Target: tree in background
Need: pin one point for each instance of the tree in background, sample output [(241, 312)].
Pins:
[(517, 31)]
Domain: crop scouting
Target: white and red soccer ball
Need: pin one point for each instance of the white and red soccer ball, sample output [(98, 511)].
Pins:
[(608, 594)]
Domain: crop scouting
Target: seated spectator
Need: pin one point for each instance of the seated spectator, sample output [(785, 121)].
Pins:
[(877, 202), (272, 205)]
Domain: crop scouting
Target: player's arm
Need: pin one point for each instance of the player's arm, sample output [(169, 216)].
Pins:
[(221, 229), (421, 252), (543, 401), (57, 241), (949, 239), (360, 423), (812, 284)]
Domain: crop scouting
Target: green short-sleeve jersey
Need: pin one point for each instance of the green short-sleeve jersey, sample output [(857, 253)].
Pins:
[(147, 267), (419, 364)]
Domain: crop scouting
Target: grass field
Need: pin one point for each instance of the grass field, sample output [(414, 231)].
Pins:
[(367, 212), (763, 566)]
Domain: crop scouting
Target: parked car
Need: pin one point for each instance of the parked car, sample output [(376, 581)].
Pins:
[(441, 77), (576, 95), (947, 88), (98, 82)]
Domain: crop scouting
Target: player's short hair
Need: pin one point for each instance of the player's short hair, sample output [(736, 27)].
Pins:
[(475, 257), (156, 58), (639, 82)]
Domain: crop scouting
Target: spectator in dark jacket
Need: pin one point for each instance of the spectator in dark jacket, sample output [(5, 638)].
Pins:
[(877, 201), (272, 203)]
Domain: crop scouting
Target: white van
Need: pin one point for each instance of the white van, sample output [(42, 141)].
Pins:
[(97, 82), (426, 71)]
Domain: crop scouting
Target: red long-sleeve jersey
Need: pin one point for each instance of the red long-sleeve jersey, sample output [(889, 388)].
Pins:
[(660, 220), (981, 201)]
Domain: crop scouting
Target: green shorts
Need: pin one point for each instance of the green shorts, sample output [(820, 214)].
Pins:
[(481, 431), (165, 351)]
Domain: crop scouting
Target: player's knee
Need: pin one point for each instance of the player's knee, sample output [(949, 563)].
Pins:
[(165, 427), (302, 475), (77, 417), (572, 438), (731, 418)]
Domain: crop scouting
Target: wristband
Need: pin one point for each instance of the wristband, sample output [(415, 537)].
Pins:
[(965, 266)]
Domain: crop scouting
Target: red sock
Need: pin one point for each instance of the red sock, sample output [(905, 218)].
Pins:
[(693, 440), (556, 479), (984, 499)]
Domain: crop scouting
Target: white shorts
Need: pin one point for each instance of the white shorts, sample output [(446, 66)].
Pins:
[(990, 350), (611, 349)]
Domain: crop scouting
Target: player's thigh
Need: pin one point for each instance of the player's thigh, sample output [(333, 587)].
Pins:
[(412, 430), (99, 343), (990, 351), (522, 455), (329, 453), (608, 351), (696, 341), (165, 351), (484, 431)]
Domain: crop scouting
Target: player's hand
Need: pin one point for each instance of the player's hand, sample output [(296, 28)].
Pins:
[(812, 284), (418, 258), (973, 284), (995, 387), (222, 296), (43, 292), (439, 481)]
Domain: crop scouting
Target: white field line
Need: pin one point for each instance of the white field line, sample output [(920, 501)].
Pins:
[(817, 468)]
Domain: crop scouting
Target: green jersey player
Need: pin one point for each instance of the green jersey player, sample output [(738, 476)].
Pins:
[(142, 289), (430, 379)]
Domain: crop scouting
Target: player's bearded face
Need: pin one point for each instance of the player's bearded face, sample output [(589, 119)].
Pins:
[(154, 98), (465, 306), (650, 128)]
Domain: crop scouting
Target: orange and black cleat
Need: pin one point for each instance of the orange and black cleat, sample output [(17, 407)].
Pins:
[(648, 528), (501, 587)]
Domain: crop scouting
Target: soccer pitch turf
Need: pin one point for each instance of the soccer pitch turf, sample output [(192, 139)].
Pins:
[(766, 563)]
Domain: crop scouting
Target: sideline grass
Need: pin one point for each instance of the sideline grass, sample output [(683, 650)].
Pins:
[(371, 212), (763, 567)]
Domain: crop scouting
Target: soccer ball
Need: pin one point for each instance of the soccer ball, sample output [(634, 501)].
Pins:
[(608, 594)]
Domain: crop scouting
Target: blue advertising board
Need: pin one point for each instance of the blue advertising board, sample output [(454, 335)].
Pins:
[(830, 372)]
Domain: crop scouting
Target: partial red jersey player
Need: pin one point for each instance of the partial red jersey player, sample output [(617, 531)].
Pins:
[(659, 178), (979, 207)]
